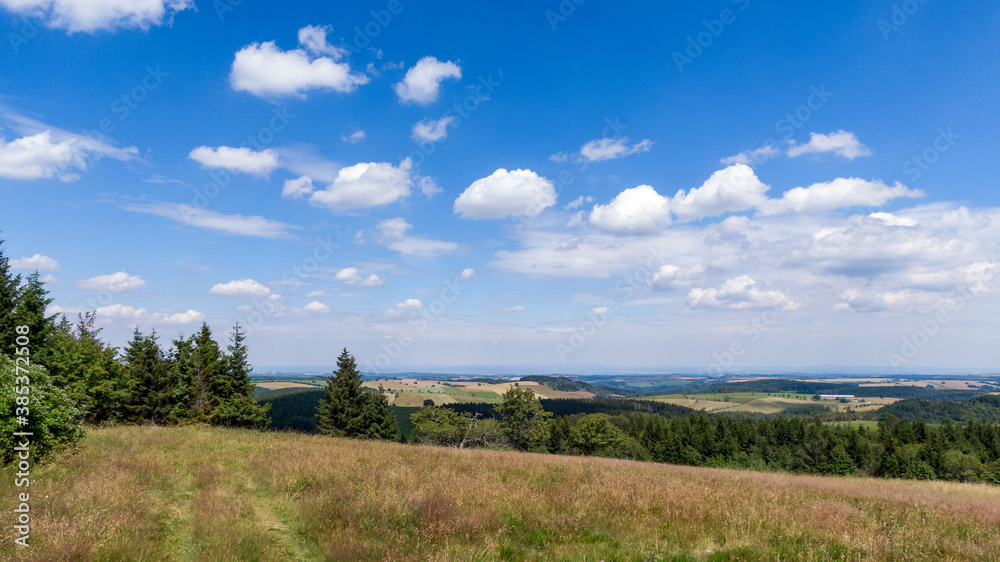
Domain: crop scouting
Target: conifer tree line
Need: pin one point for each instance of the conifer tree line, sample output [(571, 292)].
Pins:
[(71, 376)]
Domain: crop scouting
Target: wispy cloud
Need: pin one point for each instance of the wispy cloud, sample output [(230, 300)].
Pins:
[(236, 224)]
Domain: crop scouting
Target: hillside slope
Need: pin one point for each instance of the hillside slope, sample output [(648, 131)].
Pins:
[(200, 493)]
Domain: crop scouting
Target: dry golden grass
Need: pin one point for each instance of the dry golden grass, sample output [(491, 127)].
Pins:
[(769, 405), (411, 399), (141, 493), (280, 385), (703, 405)]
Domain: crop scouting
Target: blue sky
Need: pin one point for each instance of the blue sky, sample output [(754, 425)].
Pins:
[(523, 186)]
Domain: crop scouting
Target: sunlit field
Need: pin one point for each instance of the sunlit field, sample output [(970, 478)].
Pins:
[(199, 493)]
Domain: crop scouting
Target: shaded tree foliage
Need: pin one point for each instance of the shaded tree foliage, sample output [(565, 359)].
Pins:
[(350, 410)]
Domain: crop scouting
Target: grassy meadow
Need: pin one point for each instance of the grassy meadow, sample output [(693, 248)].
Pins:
[(199, 493)]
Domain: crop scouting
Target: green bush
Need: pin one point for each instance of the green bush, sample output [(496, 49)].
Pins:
[(53, 418)]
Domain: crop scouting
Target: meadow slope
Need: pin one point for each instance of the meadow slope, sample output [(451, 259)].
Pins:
[(199, 493)]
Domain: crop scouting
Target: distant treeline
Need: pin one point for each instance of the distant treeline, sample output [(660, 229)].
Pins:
[(805, 387), (984, 409), (569, 385), (897, 449), (570, 406)]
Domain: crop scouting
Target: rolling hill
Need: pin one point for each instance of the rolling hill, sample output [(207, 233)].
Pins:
[(200, 493)]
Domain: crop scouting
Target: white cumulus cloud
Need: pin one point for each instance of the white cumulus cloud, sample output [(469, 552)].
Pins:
[(125, 312), (243, 288), (431, 130), (639, 210), (739, 293), (368, 184), (313, 38), (241, 159), (90, 15), (265, 70), (837, 193), (502, 194), (297, 188), (115, 282), (757, 155), (402, 307), (351, 276), (49, 154), (609, 149), (37, 262), (892, 220), (120, 311), (841, 143), (316, 307), (356, 136), (188, 317), (579, 201), (422, 82), (429, 187), (735, 188)]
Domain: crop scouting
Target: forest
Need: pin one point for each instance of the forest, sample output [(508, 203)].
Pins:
[(59, 375)]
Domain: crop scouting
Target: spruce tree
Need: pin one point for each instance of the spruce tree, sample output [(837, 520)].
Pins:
[(89, 370), (349, 410), (151, 374), (182, 379), (30, 311), (235, 405), (377, 420), (208, 381), (9, 291)]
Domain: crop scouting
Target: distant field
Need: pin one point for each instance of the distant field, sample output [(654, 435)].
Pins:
[(281, 385), (763, 402), (755, 402), (413, 392), (936, 383), (199, 493), (703, 405)]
